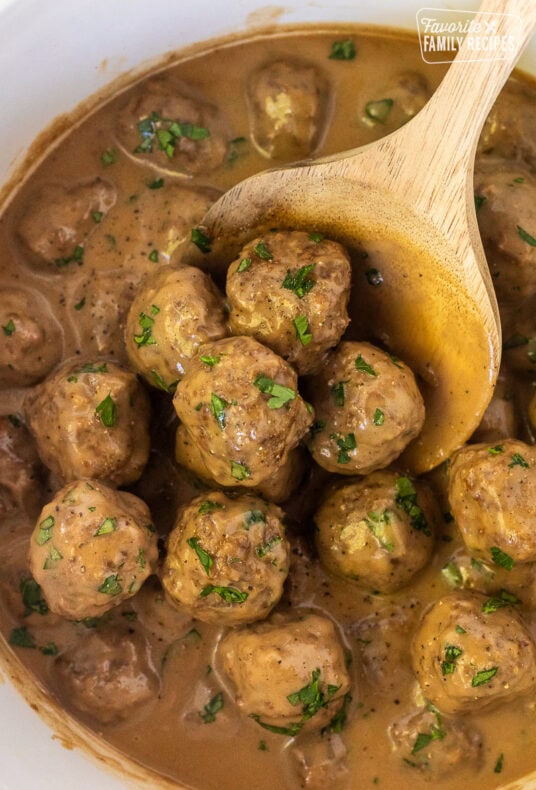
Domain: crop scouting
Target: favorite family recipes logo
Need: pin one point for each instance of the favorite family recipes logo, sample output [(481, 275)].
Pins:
[(442, 31)]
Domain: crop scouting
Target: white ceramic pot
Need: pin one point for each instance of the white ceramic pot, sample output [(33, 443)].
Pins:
[(53, 55)]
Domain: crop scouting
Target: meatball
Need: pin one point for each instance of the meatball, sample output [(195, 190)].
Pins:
[(91, 420), (290, 290), (377, 531), (438, 747), (509, 129), (58, 221), (288, 109), (170, 126), (109, 674), (290, 675), (506, 200), (92, 548), (153, 228), (227, 559), (240, 404), (31, 341), (368, 408), (277, 488), (102, 301), (21, 473), (174, 312), (468, 656), (499, 421), (492, 495), (397, 102)]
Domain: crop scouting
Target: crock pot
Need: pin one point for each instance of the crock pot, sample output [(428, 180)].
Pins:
[(52, 56)]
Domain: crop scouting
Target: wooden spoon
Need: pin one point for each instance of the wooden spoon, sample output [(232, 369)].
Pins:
[(407, 200)]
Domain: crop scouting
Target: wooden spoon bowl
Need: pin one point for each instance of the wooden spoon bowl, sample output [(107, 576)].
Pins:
[(406, 204)]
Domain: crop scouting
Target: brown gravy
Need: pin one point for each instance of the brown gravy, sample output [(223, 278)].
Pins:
[(168, 735)]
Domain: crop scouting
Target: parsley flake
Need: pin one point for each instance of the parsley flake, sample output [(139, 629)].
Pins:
[(227, 594), (9, 328), (244, 264), (406, 498), (483, 676), (518, 460), (301, 325), (281, 395), (106, 410), (262, 251), (146, 337), (502, 559), (209, 505), (239, 471), (526, 236), (217, 407), (300, 282), (204, 557), (201, 240), (212, 708), (343, 50), (111, 585), (364, 367)]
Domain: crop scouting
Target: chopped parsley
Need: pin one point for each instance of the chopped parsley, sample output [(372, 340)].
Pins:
[(111, 585), (406, 498), (208, 360), (497, 450), (479, 201), (377, 523), (343, 50), (161, 384), (448, 665), (292, 730), (227, 594), (301, 325), (518, 460), (379, 110), (281, 395), (344, 445), (107, 411), (483, 676), (153, 256), (300, 282), (262, 251), (45, 530), (379, 417), (53, 556), (201, 240), (423, 739), (21, 637), (204, 557), (146, 337), (452, 574), (364, 367), (109, 157), (504, 598), (32, 597), (217, 407), (317, 427), (14, 420), (254, 517), (316, 237), (9, 328), (97, 216), (499, 764), (337, 392), (212, 708), (502, 559), (107, 525), (77, 256), (311, 697), (209, 505), (526, 236), (79, 305), (167, 133), (460, 630), (239, 471), (339, 720), (262, 747), (158, 183), (50, 649), (244, 264), (266, 548)]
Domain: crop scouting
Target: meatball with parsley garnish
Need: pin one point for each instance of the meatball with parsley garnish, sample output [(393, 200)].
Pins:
[(174, 312), (91, 549), (31, 339), (377, 531), (227, 558), (91, 420), (58, 221), (368, 408), (287, 109), (290, 675), (470, 654), (239, 403), (290, 290), (167, 124), (492, 495)]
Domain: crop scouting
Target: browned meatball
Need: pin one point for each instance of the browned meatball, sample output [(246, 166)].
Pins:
[(58, 221), (227, 559), (492, 495), (277, 488), (102, 300), (396, 102), (377, 531), (174, 312), (368, 408), (288, 105), (91, 420), (290, 675), (21, 473), (31, 340), (506, 200), (290, 290), (92, 548), (240, 404), (467, 657), (438, 747), (170, 126), (509, 129), (109, 674), (153, 228)]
